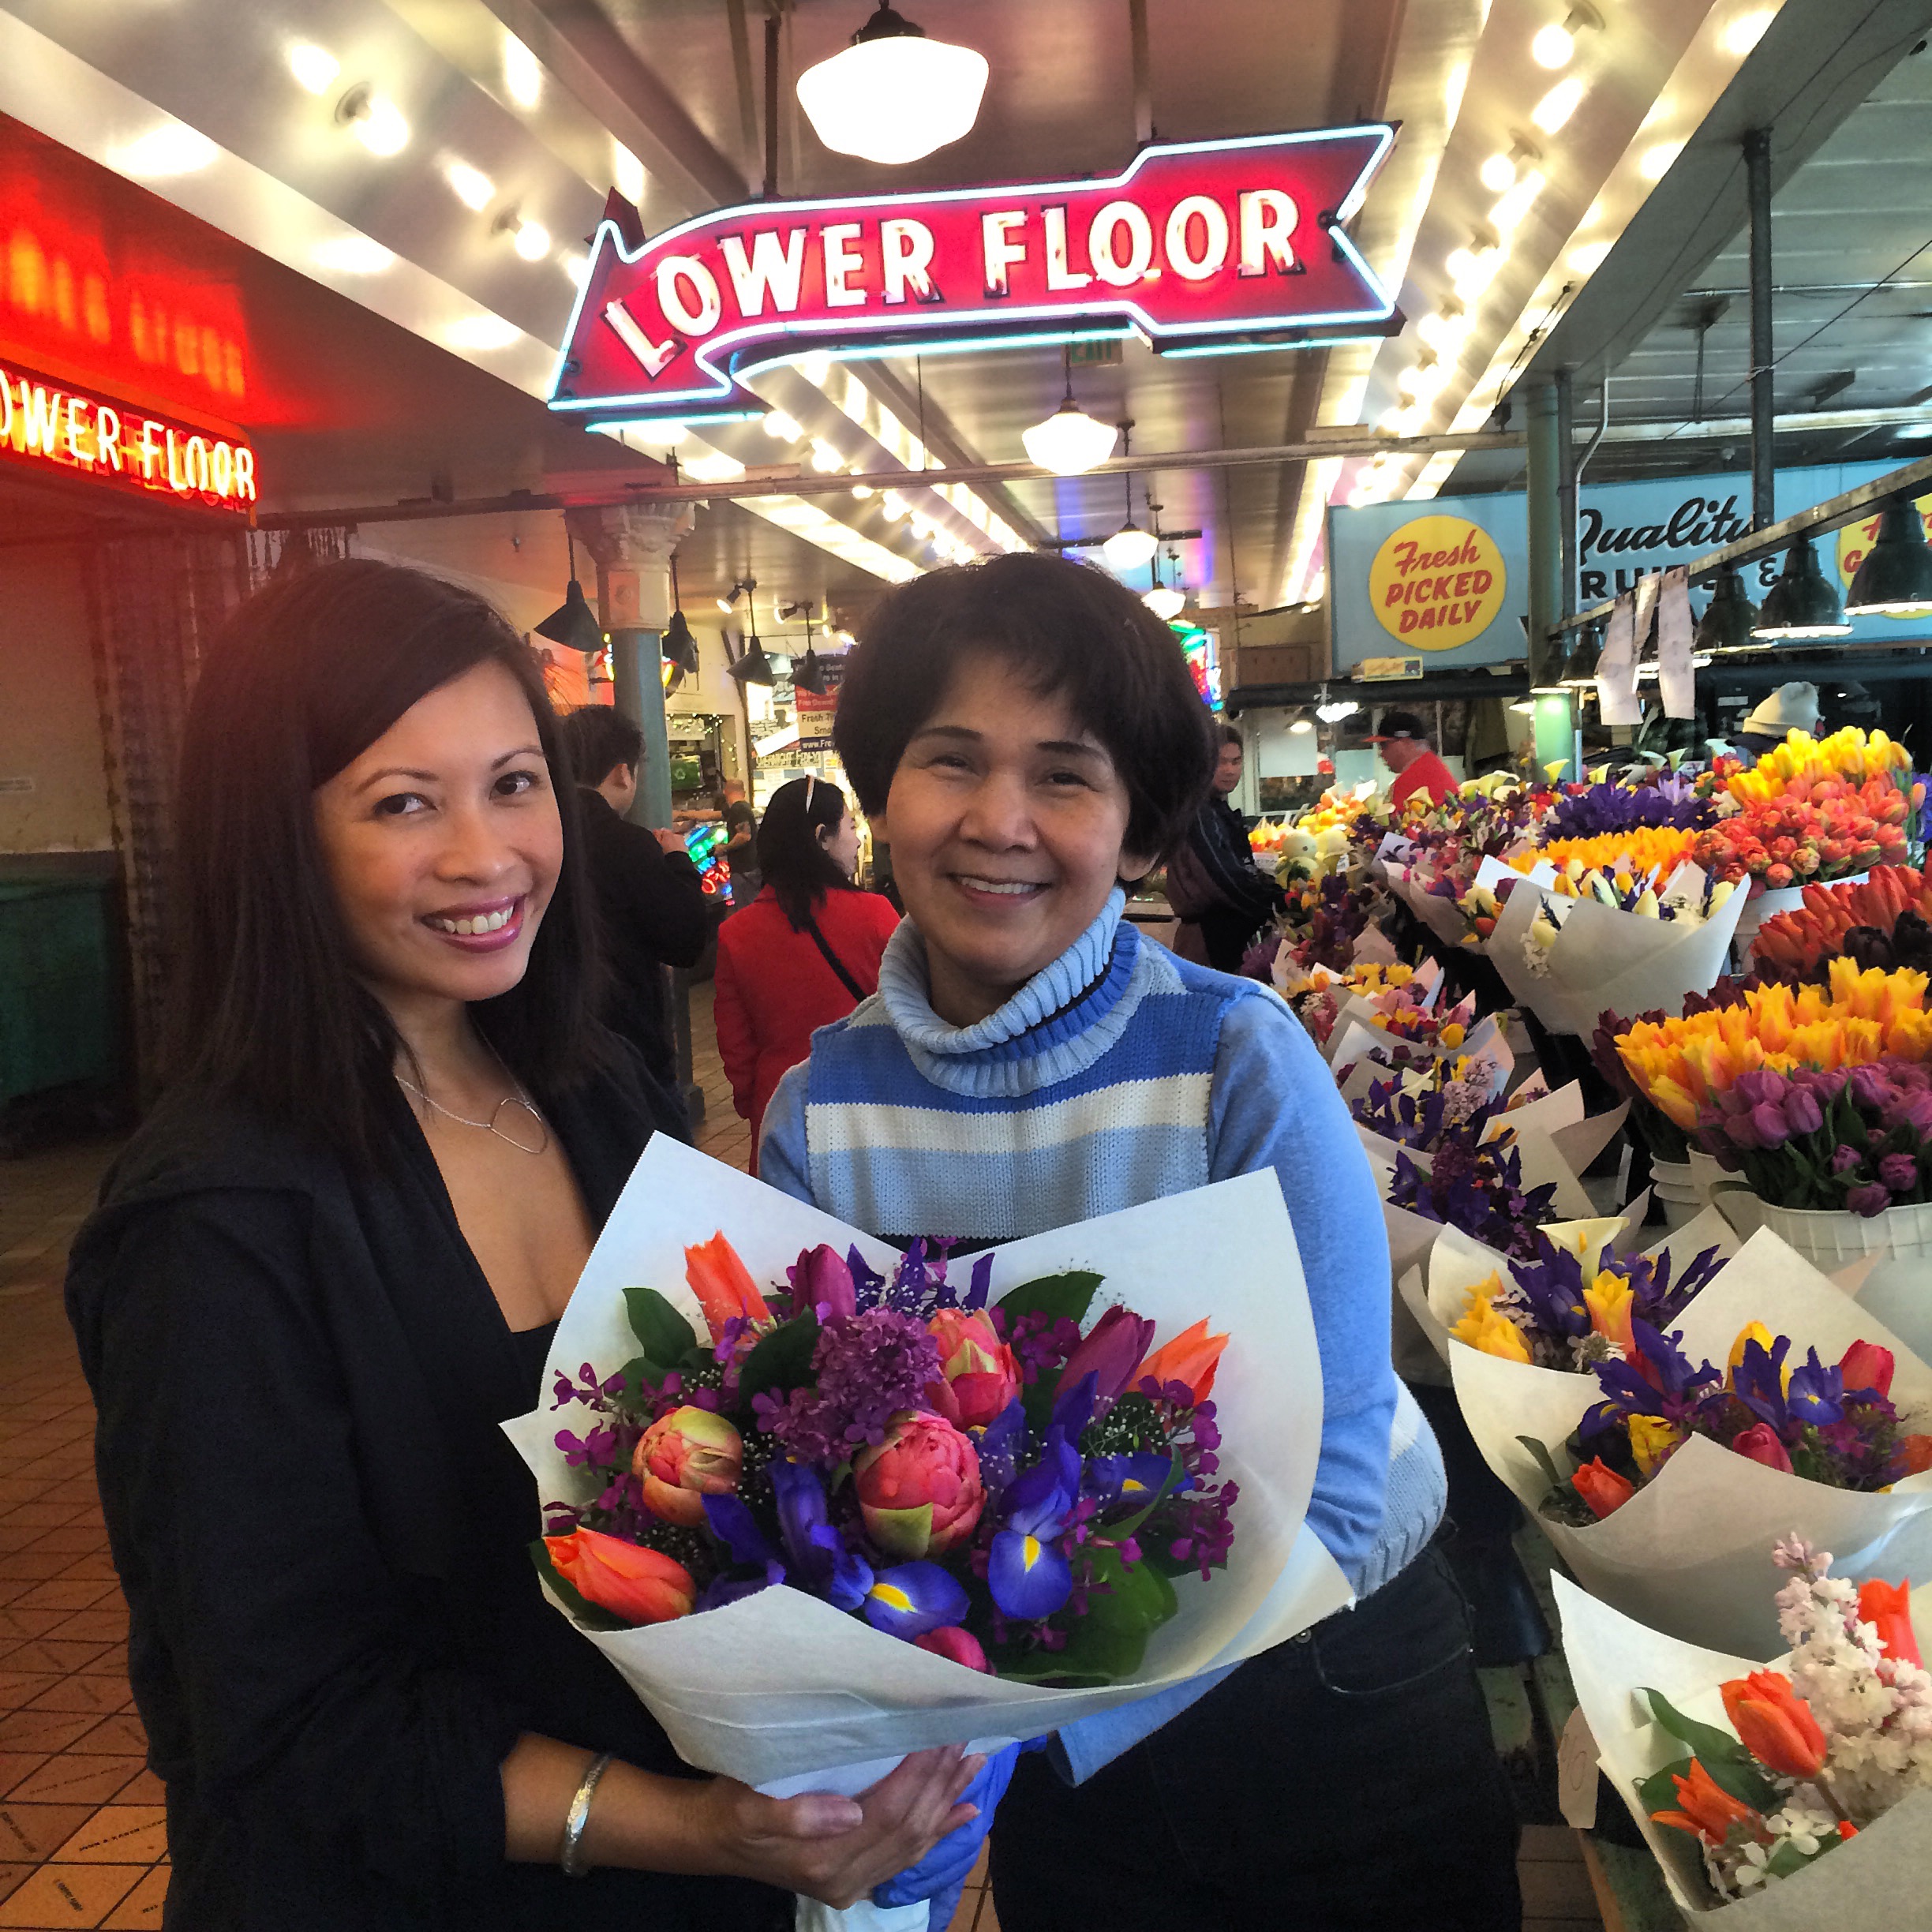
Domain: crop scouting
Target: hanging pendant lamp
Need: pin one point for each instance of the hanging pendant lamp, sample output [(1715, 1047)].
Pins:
[(1165, 601), (1801, 604), (751, 666), (1895, 577), (679, 646), (573, 622), (893, 96), (1728, 617), (1069, 442), (1579, 665), (1130, 546)]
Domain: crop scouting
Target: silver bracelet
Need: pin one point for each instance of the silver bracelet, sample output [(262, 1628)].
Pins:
[(578, 1815)]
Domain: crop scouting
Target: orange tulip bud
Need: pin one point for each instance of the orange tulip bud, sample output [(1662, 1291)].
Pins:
[(1888, 1606), (684, 1457), (1774, 1724), (722, 1285), (644, 1585), (1709, 1810), (1602, 1488), (1190, 1357)]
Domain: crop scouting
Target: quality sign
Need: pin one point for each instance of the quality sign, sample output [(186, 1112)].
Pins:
[(1196, 245)]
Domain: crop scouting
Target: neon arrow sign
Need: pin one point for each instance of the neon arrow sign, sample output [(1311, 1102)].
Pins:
[(1195, 244)]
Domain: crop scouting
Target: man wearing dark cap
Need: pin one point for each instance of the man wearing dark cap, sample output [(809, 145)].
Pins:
[(1404, 744)]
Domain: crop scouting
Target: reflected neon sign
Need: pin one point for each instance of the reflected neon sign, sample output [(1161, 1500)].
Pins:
[(115, 443), (1195, 245)]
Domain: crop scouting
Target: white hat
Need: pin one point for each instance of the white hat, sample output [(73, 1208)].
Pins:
[(1790, 708)]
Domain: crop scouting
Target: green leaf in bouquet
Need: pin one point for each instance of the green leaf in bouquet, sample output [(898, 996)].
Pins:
[(1731, 1767), (782, 1359), (1063, 1296), (662, 1332), (592, 1616), (1545, 1461), (1658, 1791), (1120, 1532)]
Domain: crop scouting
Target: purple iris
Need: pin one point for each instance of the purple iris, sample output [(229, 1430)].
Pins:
[(1661, 1381), (1816, 1396), (1135, 1479), (1757, 1381), (913, 1598), (1027, 1570), (1553, 1288)]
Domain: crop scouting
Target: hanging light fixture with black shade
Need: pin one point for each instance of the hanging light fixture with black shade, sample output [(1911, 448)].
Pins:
[(1895, 579), (1802, 604), (573, 622), (1729, 621), (1579, 665), (1069, 442), (751, 666), (680, 648), (893, 95)]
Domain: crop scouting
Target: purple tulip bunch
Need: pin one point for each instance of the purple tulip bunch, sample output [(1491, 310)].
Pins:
[(1852, 1138)]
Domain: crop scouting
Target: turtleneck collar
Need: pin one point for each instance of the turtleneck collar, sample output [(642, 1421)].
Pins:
[(1057, 1025)]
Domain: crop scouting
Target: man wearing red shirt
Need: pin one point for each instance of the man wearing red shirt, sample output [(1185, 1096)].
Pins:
[(1406, 750)]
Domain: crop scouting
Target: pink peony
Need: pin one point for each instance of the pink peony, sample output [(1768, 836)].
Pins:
[(684, 1457), (919, 1490), (962, 1646)]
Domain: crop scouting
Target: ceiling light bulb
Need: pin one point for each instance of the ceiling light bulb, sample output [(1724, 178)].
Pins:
[(170, 149), (1128, 547), (1588, 258), (894, 505), (1497, 174), (893, 96), (713, 467), (577, 266), (1070, 443), (533, 241), (482, 332), (626, 173), (1471, 271), (522, 76), (1745, 31), (376, 121), (780, 428), (1302, 724), (1553, 46), (315, 68), (825, 458), (1165, 601), (352, 255), (815, 367), (862, 491), (1558, 105), (471, 186), (1446, 333), (1656, 160), (1509, 210)]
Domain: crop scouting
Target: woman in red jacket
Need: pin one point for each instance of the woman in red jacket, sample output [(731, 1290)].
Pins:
[(806, 950)]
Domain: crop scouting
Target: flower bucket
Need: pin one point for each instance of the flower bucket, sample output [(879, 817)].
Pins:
[(1706, 1175), (1828, 1237), (1674, 1185)]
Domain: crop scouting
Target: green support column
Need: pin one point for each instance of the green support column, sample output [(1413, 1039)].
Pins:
[(637, 658), (1555, 732)]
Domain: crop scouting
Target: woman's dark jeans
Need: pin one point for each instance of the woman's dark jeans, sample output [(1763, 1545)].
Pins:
[(1344, 1780)]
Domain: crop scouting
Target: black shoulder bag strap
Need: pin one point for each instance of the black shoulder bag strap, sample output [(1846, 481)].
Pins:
[(850, 985)]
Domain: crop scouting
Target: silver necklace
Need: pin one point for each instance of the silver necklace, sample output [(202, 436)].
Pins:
[(519, 1099)]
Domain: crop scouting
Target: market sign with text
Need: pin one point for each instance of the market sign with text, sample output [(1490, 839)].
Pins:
[(1196, 245), (63, 429), (1451, 575)]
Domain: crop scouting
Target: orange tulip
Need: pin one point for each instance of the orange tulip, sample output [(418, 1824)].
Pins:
[(1708, 1810), (1888, 1606), (1190, 1357), (1774, 1724), (642, 1585), (724, 1285), (1915, 1453), (1602, 1488)]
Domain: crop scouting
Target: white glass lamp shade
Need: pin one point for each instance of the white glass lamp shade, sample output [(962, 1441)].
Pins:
[(895, 99), (1070, 443), (1165, 601), (1128, 548)]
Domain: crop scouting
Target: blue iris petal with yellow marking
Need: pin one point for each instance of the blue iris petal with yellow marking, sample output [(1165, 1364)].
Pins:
[(1029, 1578), (911, 1599)]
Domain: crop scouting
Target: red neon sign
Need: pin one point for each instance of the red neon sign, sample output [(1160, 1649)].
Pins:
[(1195, 244), (46, 425)]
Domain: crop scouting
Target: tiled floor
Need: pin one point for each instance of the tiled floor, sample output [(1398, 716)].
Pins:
[(82, 1842)]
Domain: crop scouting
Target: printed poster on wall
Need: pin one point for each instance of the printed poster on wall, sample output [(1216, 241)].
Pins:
[(817, 710)]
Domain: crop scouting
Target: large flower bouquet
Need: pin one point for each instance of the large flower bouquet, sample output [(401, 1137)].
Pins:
[(1690, 899), (1685, 1484), (985, 1482), (1884, 921), (1776, 1797), (1478, 1187), (804, 1500), (1419, 1112), (1832, 1424)]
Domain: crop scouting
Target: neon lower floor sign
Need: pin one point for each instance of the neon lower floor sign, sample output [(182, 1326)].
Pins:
[(53, 426), (1199, 245)]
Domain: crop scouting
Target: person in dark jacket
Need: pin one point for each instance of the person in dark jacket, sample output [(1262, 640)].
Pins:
[(325, 1270), (650, 900), (1238, 899)]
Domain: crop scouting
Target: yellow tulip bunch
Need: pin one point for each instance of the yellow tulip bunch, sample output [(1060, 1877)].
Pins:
[(1681, 1065), (1801, 761), (1657, 849)]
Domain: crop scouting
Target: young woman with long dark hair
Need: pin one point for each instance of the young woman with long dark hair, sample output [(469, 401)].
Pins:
[(804, 953), (329, 1266)]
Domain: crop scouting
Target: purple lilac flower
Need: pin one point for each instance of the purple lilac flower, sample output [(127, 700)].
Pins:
[(867, 1369)]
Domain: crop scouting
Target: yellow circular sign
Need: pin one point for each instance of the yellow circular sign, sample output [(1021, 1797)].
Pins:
[(1855, 539), (1436, 582)]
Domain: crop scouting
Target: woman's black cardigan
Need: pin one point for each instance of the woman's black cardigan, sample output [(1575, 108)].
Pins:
[(337, 1634)]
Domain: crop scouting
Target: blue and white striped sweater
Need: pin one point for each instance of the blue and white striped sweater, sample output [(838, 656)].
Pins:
[(1116, 1075)]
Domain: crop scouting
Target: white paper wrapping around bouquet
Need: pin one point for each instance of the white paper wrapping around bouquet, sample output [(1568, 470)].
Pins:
[(780, 1684), (1880, 1879), (1689, 1553), (1605, 960)]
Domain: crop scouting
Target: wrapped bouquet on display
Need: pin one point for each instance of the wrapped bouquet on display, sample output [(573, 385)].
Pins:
[(822, 1503), (1662, 1479), (1775, 1797)]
